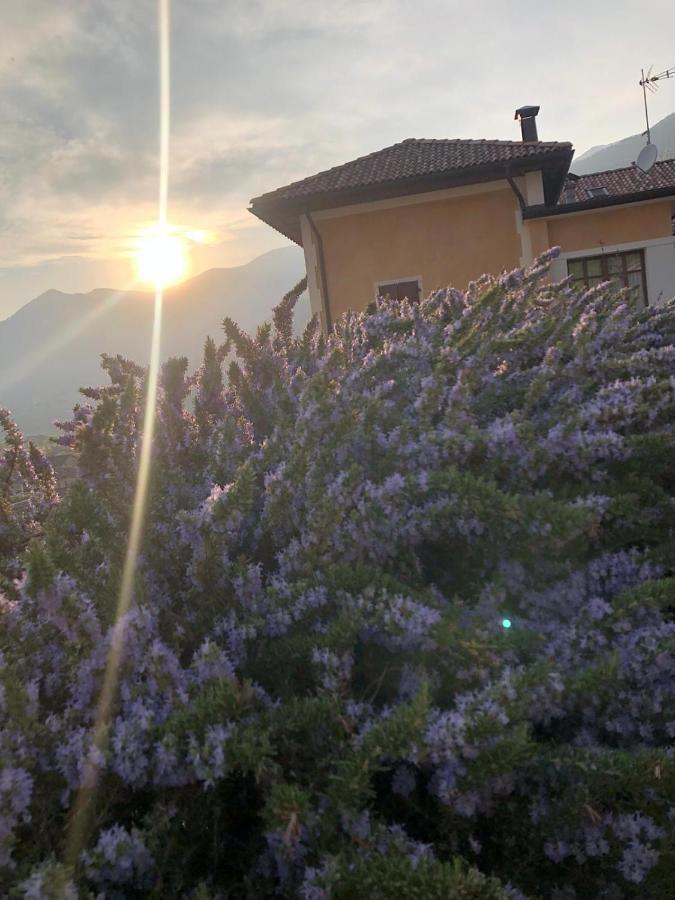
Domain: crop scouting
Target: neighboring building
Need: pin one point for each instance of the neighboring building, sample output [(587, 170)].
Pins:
[(423, 214)]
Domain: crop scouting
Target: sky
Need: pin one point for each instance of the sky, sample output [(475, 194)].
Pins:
[(264, 92)]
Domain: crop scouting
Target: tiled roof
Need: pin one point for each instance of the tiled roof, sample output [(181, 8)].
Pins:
[(616, 182), (414, 159)]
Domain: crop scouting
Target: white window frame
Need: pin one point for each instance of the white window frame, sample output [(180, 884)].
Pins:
[(559, 265), (397, 279)]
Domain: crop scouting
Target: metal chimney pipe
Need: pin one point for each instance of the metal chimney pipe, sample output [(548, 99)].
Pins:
[(527, 115)]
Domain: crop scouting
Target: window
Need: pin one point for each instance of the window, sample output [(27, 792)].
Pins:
[(409, 288), (626, 269), (597, 192)]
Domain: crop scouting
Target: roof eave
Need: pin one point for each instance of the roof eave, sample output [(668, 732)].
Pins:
[(287, 225), (555, 174), (543, 211), (283, 214)]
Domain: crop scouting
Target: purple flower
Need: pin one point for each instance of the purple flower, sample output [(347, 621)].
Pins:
[(557, 850), (403, 781), (119, 857), (636, 861)]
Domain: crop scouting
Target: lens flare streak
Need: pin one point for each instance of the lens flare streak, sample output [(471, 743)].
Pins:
[(81, 812)]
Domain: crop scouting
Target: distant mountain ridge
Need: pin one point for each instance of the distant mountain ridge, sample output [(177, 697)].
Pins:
[(624, 152), (51, 346)]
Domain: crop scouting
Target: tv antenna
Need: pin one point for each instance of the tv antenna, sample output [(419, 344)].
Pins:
[(649, 153)]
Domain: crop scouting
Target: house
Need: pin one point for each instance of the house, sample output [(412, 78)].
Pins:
[(422, 214)]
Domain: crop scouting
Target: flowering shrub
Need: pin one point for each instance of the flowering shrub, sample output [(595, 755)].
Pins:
[(27, 492), (402, 625)]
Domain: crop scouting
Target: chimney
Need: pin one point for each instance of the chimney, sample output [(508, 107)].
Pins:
[(528, 122)]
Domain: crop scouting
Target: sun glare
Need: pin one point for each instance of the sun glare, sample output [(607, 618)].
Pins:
[(161, 259)]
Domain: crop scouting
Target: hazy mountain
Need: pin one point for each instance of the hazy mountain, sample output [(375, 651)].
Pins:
[(52, 345), (624, 152)]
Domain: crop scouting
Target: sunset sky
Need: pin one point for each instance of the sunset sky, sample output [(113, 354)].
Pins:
[(267, 92)]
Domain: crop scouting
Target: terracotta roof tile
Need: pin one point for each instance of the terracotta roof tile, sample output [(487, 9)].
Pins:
[(411, 159), (616, 182)]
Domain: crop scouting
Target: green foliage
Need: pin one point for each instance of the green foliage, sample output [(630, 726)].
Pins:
[(397, 878)]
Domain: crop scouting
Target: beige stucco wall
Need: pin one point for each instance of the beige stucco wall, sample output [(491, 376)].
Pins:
[(616, 225), (445, 241), (646, 226), (453, 236), (539, 238)]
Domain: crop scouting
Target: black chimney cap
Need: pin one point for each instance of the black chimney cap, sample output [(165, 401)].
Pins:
[(526, 112)]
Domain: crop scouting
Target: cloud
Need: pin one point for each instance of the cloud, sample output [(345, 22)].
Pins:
[(97, 168), (28, 27), (267, 91)]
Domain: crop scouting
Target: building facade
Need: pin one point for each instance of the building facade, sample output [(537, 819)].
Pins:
[(424, 214)]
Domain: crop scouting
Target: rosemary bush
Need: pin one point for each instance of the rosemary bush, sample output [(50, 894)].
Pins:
[(402, 624)]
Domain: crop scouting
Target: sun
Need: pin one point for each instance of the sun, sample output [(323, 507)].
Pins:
[(161, 258)]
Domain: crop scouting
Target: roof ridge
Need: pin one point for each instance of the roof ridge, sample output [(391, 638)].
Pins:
[(483, 141)]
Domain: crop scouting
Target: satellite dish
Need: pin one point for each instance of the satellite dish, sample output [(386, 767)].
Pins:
[(647, 157)]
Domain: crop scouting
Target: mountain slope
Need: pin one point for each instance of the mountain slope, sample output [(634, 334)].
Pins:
[(625, 152), (52, 345)]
